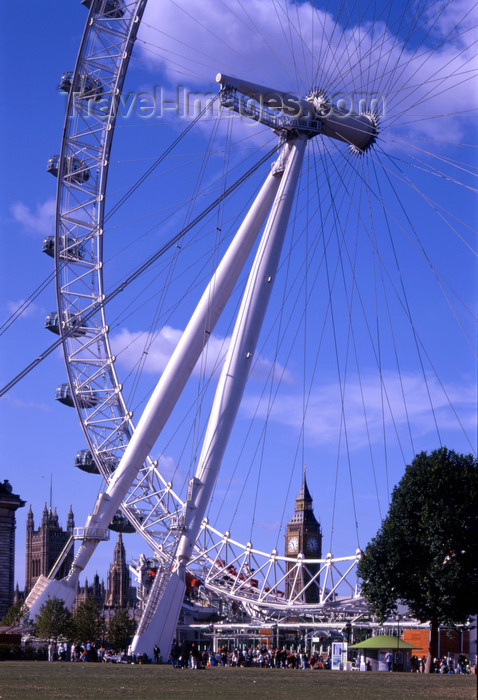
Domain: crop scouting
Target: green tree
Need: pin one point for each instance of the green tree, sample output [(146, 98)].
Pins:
[(120, 629), (16, 615), (88, 623), (425, 554), (53, 621)]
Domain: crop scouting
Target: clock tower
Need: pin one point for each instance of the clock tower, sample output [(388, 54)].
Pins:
[(303, 536)]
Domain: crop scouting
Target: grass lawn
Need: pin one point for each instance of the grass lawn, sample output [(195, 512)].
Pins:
[(37, 679)]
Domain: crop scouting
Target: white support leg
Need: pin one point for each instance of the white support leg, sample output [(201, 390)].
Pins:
[(229, 391), (178, 370), (162, 625), (241, 351)]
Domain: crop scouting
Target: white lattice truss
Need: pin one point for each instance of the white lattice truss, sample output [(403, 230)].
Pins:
[(258, 579)]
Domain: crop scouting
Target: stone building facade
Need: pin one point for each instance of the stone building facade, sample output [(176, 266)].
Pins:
[(96, 591), (9, 503), (43, 546)]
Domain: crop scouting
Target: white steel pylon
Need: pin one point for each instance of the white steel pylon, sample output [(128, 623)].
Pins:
[(232, 381), (167, 391)]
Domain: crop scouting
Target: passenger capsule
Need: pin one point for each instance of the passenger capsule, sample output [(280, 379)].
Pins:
[(51, 322), (84, 461), (48, 246), (75, 169), (63, 395), (52, 165), (73, 324), (86, 399), (72, 251), (121, 524), (86, 86), (107, 8)]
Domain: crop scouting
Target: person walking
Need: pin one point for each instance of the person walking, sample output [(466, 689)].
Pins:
[(389, 660), (156, 653), (193, 657), (175, 653)]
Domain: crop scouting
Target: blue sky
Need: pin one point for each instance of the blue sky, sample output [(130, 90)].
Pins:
[(405, 215)]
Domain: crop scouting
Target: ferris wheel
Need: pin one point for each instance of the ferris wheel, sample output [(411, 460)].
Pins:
[(341, 140)]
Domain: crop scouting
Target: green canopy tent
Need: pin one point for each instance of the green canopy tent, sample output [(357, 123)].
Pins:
[(385, 642), (373, 649)]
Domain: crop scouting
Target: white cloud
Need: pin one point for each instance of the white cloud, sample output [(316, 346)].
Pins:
[(269, 526), (385, 404), (14, 306), (38, 220), (423, 73), (37, 406), (168, 468), (454, 18), (129, 348), (324, 419)]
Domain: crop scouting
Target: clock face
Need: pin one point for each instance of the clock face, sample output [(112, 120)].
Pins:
[(312, 544), (293, 544)]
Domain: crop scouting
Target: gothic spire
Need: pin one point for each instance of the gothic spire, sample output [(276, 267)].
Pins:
[(70, 523), (30, 523), (119, 554), (304, 495)]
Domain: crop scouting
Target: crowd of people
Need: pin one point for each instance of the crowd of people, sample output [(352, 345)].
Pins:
[(188, 655), (88, 651), (448, 665), (444, 665)]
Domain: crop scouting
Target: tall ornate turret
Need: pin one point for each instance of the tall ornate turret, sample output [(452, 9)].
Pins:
[(70, 523), (30, 521), (304, 536), (118, 591)]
